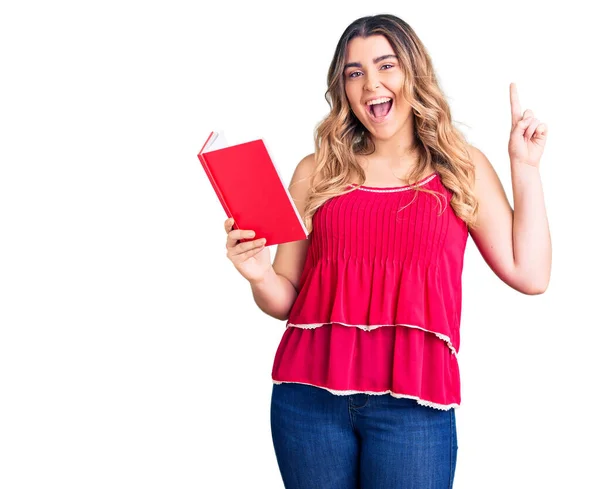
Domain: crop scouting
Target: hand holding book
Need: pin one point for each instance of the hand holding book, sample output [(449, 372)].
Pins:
[(251, 258), (250, 189)]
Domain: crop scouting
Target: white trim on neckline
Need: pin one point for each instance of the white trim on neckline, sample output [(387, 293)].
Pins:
[(394, 189)]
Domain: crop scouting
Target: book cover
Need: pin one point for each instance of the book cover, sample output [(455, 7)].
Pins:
[(251, 190)]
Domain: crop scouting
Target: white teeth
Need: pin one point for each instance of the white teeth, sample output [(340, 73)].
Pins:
[(381, 100)]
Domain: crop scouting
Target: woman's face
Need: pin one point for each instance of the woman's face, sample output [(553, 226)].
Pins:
[(372, 71)]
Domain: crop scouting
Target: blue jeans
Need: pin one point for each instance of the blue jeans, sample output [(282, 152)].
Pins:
[(360, 441)]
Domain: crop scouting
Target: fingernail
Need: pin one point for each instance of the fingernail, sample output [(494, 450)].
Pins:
[(252, 234)]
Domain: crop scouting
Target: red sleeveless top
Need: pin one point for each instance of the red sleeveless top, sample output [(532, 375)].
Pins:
[(379, 301)]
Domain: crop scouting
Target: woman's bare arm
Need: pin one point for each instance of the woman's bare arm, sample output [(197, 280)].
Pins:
[(515, 244), (276, 293)]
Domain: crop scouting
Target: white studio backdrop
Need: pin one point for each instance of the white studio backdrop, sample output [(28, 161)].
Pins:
[(131, 351)]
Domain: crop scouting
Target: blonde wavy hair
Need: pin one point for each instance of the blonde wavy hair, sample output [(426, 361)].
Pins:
[(340, 136)]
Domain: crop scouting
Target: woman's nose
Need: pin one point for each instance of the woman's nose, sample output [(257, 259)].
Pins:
[(371, 82)]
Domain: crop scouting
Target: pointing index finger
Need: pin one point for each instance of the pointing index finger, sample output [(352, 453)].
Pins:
[(515, 106)]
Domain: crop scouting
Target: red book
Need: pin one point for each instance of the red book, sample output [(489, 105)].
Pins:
[(251, 190)]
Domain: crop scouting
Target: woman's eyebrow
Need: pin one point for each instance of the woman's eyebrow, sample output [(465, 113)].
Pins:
[(375, 60)]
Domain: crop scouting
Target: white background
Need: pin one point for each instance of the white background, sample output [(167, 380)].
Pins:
[(132, 354)]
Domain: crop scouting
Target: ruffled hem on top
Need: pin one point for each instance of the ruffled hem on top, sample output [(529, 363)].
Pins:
[(401, 361), (371, 294)]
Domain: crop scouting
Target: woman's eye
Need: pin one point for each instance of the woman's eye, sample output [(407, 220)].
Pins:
[(351, 75)]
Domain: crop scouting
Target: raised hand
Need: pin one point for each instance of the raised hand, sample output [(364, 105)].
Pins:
[(527, 136)]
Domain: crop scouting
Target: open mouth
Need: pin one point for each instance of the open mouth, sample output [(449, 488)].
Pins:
[(379, 112)]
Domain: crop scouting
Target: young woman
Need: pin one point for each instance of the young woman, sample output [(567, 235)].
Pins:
[(366, 378)]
